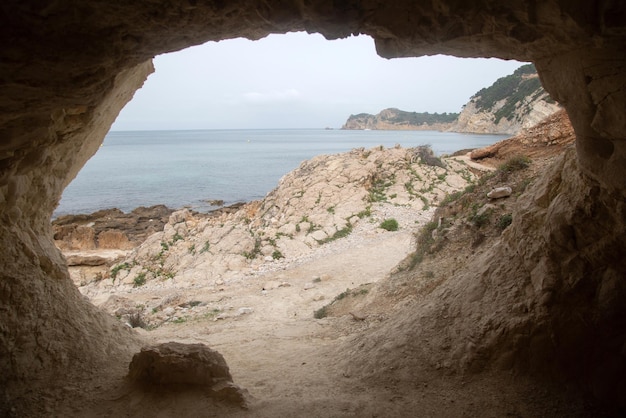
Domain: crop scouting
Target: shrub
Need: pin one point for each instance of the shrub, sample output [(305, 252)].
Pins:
[(427, 156), (516, 163), (365, 213), (205, 248), (504, 221), (341, 233), (321, 313), (139, 280), (389, 225), (135, 320), (277, 255), (482, 219)]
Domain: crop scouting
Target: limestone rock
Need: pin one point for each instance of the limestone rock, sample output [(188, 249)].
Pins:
[(174, 364), (500, 192)]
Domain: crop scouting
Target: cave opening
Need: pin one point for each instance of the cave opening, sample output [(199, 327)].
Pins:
[(64, 83)]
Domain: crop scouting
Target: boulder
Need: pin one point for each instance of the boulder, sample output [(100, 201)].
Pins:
[(177, 365), (499, 192)]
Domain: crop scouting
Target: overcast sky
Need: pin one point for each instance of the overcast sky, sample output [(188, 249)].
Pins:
[(298, 81)]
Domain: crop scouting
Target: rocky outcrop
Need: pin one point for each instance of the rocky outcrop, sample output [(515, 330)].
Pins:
[(68, 68), (396, 119), (109, 228), (548, 137), (475, 120), (512, 103), (322, 200)]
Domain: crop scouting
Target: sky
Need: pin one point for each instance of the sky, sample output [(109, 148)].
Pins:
[(297, 81)]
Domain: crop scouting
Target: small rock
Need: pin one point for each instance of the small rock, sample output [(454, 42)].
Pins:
[(309, 285), (268, 258), (499, 192), (244, 311), (169, 311)]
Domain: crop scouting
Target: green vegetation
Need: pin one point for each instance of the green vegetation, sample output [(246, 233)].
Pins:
[(115, 270), (401, 117), (205, 247), (378, 189), (323, 311), (389, 225), (513, 89), (504, 221), (365, 213), (516, 163), (276, 255), (139, 280), (341, 233), (482, 219), (424, 242), (251, 255)]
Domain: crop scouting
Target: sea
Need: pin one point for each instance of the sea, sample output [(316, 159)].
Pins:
[(190, 168)]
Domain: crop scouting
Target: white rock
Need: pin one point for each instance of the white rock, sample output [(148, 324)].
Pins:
[(499, 192), (309, 285), (244, 311), (319, 235), (169, 311)]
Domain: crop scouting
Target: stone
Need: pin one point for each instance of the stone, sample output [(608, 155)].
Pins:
[(86, 260), (500, 192), (244, 311), (308, 286), (176, 363)]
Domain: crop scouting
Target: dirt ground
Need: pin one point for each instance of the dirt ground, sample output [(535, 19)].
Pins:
[(293, 364)]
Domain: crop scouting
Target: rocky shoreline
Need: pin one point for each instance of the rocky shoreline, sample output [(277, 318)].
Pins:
[(327, 205)]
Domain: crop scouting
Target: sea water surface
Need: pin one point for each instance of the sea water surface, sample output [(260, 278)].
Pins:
[(188, 168)]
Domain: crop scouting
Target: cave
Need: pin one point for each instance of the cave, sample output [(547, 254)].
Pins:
[(68, 67)]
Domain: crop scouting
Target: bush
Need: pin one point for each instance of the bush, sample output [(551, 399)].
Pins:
[(516, 163), (139, 280), (504, 221), (482, 219), (116, 269), (427, 156), (389, 225), (321, 313), (135, 320)]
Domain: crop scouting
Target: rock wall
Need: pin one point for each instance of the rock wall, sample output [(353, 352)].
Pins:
[(68, 67), (472, 120)]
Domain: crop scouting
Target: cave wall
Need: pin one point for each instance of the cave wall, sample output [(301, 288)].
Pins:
[(67, 67)]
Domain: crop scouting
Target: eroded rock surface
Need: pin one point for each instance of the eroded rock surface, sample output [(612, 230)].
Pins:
[(67, 68)]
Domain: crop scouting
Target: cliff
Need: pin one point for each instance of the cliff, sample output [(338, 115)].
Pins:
[(512, 103)]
